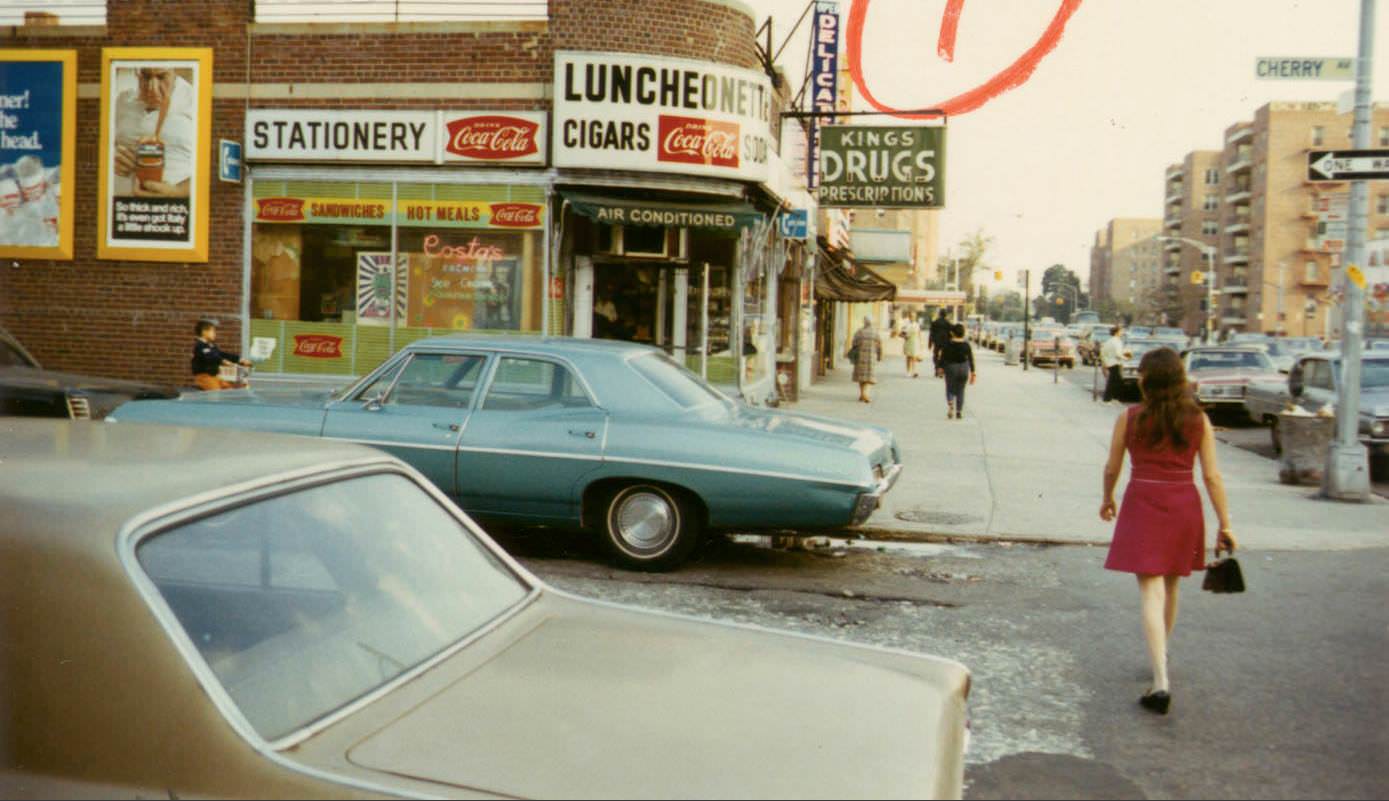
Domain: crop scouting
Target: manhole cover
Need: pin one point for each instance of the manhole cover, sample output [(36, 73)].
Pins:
[(937, 518)]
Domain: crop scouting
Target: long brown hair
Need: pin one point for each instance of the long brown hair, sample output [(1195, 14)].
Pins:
[(1168, 407)]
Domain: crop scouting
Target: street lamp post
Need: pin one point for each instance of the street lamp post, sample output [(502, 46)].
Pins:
[(1209, 253)]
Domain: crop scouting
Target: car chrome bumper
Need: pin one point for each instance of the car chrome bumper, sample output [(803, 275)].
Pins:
[(869, 502)]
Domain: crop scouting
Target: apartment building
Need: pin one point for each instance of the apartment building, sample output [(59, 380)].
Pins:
[(1127, 261), (1191, 212), (1282, 236)]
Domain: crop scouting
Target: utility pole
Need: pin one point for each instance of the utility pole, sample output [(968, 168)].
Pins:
[(1026, 313), (1347, 475)]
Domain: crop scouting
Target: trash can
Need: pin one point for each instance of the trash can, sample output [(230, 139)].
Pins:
[(1012, 351), (1306, 439)]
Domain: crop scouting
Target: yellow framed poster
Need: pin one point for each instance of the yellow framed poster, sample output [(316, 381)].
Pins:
[(38, 137), (156, 149)]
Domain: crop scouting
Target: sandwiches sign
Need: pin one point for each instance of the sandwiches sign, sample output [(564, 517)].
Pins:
[(411, 137), (626, 112)]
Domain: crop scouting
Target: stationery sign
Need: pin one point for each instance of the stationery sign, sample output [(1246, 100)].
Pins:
[(824, 79), (402, 137), (155, 148), (38, 132), (630, 112)]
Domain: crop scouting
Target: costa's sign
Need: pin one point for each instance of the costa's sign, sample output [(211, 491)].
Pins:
[(400, 137), (629, 112), (318, 346), (280, 209), (687, 140), (492, 138), (515, 215)]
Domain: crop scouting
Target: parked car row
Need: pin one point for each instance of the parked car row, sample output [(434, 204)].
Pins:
[(28, 390), (1314, 384)]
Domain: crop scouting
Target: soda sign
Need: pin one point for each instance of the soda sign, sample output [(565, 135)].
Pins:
[(280, 209), (318, 346), (492, 137), (688, 140), (516, 215)]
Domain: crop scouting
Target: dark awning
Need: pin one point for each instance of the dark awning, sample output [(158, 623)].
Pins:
[(716, 215), (833, 281)]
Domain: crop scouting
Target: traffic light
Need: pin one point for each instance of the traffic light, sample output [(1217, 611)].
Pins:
[(1060, 301), (998, 275)]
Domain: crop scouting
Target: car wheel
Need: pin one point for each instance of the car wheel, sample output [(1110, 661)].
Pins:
[(648, 527), (1273, 435)]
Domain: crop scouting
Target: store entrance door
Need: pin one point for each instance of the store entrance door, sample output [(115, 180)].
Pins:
[(626, 300)]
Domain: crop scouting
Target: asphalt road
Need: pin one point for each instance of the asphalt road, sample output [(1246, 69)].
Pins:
[(1278, 693), (1233, 428)]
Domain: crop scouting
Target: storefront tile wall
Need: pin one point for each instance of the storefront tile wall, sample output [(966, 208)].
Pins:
[(134, 319)]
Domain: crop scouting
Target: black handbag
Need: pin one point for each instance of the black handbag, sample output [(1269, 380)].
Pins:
[(1224, 575)]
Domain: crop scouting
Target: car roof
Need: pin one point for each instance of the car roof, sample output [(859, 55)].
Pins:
[(533, 343), (83, 480)]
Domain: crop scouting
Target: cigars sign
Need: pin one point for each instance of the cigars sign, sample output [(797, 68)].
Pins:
[(626, 112), (417, 137)]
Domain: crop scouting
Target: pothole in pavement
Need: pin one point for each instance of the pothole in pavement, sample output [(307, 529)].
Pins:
[(937, 518)]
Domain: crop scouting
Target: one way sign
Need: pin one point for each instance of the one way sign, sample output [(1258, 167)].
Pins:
[(1348, 165)]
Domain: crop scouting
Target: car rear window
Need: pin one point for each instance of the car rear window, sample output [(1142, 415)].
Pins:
[(676, 382), (304, 602), (1225, 360)]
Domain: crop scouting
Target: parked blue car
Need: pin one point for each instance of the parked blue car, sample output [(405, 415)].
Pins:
[(612, 436)]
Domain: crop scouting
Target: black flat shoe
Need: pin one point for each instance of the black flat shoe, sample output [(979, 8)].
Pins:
[(1157, 702)]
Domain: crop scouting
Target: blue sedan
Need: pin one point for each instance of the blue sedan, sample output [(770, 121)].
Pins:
[(611, 436)]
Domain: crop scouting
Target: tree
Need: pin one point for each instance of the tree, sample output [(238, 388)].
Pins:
[(1060, 294), (1006, 307), (973, 249)]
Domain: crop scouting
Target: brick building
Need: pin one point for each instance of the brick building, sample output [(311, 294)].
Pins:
[(342, 252), (1125, 263), (1191, 212)]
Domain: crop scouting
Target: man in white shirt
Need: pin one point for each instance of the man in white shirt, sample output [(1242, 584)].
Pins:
[(1112, 355), (159, 92)]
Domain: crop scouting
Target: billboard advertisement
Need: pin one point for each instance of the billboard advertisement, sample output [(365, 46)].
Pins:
[(155, 149), (38, 132), (627, 112)]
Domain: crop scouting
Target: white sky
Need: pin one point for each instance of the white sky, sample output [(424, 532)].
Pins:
[(1132, 87)]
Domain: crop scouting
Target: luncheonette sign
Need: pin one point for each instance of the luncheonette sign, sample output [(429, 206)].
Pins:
[(627, 112), (419, 137)]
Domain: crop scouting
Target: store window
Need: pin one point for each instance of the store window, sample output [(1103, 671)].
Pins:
[(343, 274)]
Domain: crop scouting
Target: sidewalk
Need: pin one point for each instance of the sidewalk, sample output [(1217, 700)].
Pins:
[(1026, 463)]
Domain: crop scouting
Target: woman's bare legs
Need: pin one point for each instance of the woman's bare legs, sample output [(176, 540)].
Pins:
[(863, 392), (1171, 584), (1152, 591)]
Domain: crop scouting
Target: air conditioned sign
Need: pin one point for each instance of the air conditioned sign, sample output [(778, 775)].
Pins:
[(865, 166), (626, 112), (403, 137)]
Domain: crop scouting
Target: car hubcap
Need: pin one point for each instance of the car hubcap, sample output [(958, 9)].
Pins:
[(645, 521)]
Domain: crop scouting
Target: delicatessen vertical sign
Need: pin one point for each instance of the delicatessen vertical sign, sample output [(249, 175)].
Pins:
[(865, 166), (627, 112), (38, 130), (155, 148)]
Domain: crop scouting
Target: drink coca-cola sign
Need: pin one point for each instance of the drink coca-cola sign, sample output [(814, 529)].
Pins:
[(280, 209), (629, 112), (492, 137), (318, 346), (516, 215), (688, 140)]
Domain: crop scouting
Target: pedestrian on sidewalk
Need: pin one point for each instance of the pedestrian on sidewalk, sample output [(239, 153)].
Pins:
[(865, 353), (911, 345), (957, 359), (940, 335), (1112, 356), (1161, 533)]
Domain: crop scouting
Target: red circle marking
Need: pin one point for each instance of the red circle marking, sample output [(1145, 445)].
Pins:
[(1011, 77)]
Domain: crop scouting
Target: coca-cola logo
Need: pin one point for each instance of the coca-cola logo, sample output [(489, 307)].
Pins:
[(515, 215), (688, 140), (280, 209), (493, 138), (318, 346)]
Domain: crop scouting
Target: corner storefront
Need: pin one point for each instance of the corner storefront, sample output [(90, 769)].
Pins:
[(354, 249)]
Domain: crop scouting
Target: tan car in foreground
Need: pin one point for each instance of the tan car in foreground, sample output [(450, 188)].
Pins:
[(191, 613)]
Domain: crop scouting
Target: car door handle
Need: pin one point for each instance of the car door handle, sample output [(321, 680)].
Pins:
[(447, 427), (588, 434)]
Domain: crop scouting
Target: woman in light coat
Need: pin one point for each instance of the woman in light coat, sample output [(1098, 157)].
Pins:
[(865, 352), (911, 345)]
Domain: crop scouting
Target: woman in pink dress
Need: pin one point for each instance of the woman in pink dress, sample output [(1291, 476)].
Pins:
[(1161, 533)]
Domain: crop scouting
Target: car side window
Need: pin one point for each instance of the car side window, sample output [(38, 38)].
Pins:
[(383, 382), (10, 357), (522, 384), (1318, 375), (438, 379)]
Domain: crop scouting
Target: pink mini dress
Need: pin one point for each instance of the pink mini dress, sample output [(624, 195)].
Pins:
[(1161, 529)]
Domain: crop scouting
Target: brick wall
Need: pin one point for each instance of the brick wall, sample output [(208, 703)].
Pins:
[(133, 319)]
